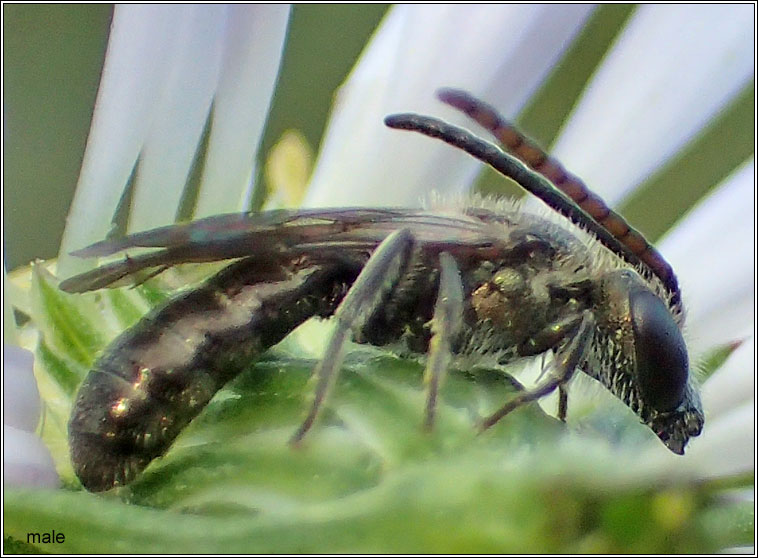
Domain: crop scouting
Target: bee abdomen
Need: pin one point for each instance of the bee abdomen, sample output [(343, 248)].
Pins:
[(158, 375)]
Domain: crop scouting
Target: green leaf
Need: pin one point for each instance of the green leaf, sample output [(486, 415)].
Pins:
[(475, 501), (731, 521), (715, 358), (15, 546), (71, 326)]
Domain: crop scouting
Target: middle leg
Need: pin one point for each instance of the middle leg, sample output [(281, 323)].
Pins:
[(446, 326)]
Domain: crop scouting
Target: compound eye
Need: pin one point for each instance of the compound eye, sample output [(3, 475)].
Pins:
[(662, 364)]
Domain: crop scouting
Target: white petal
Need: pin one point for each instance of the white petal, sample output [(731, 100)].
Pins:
[(500, 53), (9, 321), (21, 403), (182, 105), (253, 47), (713, 251), (162, 70), (727, 446), (26, 460), (733, 384), (137, 61), (669, 73), (737, 550)]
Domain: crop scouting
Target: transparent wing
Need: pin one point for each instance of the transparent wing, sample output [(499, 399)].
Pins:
[(272, 235)]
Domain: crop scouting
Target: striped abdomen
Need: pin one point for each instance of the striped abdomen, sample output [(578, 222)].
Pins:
[(158, 375)]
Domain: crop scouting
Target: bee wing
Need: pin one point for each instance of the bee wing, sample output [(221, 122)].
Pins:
[(228, 229), (270, 234)]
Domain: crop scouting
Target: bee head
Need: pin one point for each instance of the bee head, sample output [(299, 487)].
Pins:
[(642, 358)]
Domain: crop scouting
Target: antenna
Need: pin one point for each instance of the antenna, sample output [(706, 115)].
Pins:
[(631, 245)]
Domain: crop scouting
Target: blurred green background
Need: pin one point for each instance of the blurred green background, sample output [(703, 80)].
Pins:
[(53, 55)]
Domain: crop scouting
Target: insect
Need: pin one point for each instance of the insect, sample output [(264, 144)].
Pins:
[(478, 279)]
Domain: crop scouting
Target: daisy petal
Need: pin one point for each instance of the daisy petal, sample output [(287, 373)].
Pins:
[(162, 73), (727, 447), (718, 283), (9, 320), (26, 460), (733, 384), (21, 402), (138, 60), (672, 69), (252, 53), (182, 102), (507, 52)]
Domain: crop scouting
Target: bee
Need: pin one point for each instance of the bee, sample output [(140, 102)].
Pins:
[(481, 279)]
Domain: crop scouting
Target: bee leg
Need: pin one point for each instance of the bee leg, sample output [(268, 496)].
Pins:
[(446, 325), (377, 276), (565, 364), (562, 402)]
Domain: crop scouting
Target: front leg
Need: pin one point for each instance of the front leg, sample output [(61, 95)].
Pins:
[(564, 366)]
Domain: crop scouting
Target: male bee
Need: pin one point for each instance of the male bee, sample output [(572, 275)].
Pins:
[(484, 281)]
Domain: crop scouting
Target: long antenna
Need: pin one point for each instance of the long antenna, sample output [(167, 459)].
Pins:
[(536, 158), (530, 180)]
